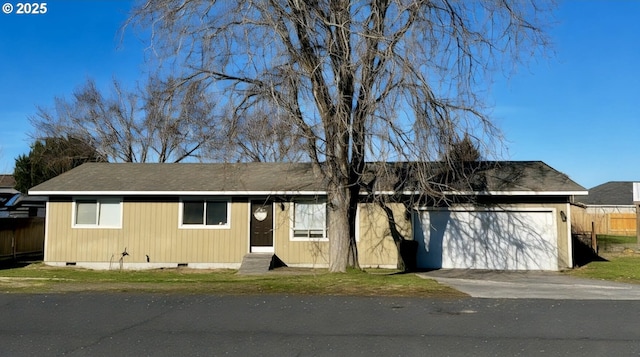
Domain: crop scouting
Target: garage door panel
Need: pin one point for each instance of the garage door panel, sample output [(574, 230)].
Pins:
[(501, 240)]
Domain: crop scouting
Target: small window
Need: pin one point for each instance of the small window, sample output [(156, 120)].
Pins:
[(309, 220), (211, 214), (98, 213)]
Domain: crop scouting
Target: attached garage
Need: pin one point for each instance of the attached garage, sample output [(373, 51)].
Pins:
[(484, 238)]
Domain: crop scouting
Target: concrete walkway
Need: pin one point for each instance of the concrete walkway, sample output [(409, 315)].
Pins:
[(255, 264), (532, 285)]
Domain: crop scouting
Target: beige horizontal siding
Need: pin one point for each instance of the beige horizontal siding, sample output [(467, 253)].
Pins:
[(148, 228), (296, 252), (565, 254), (375, 244)]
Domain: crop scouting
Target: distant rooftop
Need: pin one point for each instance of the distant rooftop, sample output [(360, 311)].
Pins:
[(7, 181), (614, 193)]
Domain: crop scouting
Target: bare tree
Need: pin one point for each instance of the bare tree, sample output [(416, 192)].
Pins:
[(166, 121), (2, 169), (389, 80), (262, 134)]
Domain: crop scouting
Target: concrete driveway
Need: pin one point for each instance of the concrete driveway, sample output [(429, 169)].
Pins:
[(532, 285)]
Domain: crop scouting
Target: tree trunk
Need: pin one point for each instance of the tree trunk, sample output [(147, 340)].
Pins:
[(353, 261), (338, 228)]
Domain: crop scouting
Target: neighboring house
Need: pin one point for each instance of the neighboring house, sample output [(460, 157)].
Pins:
[(7, 191), (7, 181), (610, 207), (21, 223), (515, 216), (23, 206)]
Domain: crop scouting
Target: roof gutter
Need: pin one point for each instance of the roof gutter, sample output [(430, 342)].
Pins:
[(296, 193)]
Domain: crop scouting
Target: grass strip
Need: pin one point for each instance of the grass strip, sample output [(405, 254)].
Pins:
[(38, 278), (622, 268)]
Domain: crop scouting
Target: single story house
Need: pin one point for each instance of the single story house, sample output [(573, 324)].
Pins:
[(509, 215), (611, 208)]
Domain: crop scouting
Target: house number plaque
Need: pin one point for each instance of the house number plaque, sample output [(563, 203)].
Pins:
[(260, 214)]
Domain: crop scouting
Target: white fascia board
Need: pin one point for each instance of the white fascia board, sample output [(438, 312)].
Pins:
[(471, 207), (389, 193), (609, 206), (176, 193), (489, 193), (517, 193), (296, 193)]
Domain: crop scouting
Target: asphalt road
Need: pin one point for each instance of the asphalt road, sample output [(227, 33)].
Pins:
[(91, 324)]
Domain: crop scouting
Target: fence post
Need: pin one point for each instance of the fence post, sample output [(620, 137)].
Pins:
[(594, 242), (13, 241), (637, 223)]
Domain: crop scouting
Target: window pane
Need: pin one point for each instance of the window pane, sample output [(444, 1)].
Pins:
[(216, 213), (193, 212), (300, 233), (86, 212), (309, 216), (109, 214), (316, 234)]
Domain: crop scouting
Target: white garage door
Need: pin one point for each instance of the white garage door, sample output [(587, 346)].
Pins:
[(486, 239)]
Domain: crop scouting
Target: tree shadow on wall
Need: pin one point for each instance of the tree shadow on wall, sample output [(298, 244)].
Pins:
[(490, 238)]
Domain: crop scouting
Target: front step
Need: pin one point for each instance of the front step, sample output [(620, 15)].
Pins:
[(259, 263)]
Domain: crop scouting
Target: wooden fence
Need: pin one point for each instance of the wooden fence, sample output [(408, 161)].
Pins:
[(617, 223), (21, 238)]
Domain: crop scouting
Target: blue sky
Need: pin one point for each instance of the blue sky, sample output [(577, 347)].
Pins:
[(576, 110)]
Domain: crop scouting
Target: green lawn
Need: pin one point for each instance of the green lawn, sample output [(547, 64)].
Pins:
[(38, 278), (622, 268), (604, 239)]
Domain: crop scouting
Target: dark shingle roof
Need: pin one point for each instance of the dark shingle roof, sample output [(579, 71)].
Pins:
[(615, 193), (490, 176), (520, 176), (135, 177)]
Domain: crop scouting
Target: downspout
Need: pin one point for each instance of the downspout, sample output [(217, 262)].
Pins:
[(47, 214), (569, 236)]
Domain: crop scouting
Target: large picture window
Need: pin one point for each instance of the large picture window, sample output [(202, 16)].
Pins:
[(98, 213), (202, 213), (309, 220)]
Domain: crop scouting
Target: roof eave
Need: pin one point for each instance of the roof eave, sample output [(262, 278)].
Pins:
[(516, 193), (295, 193), (175, 193)]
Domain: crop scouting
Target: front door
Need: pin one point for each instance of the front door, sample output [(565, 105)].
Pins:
[(261, 228)]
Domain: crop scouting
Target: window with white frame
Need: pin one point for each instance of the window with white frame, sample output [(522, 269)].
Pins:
[(309, 220), (98, 213), (204, 213)]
